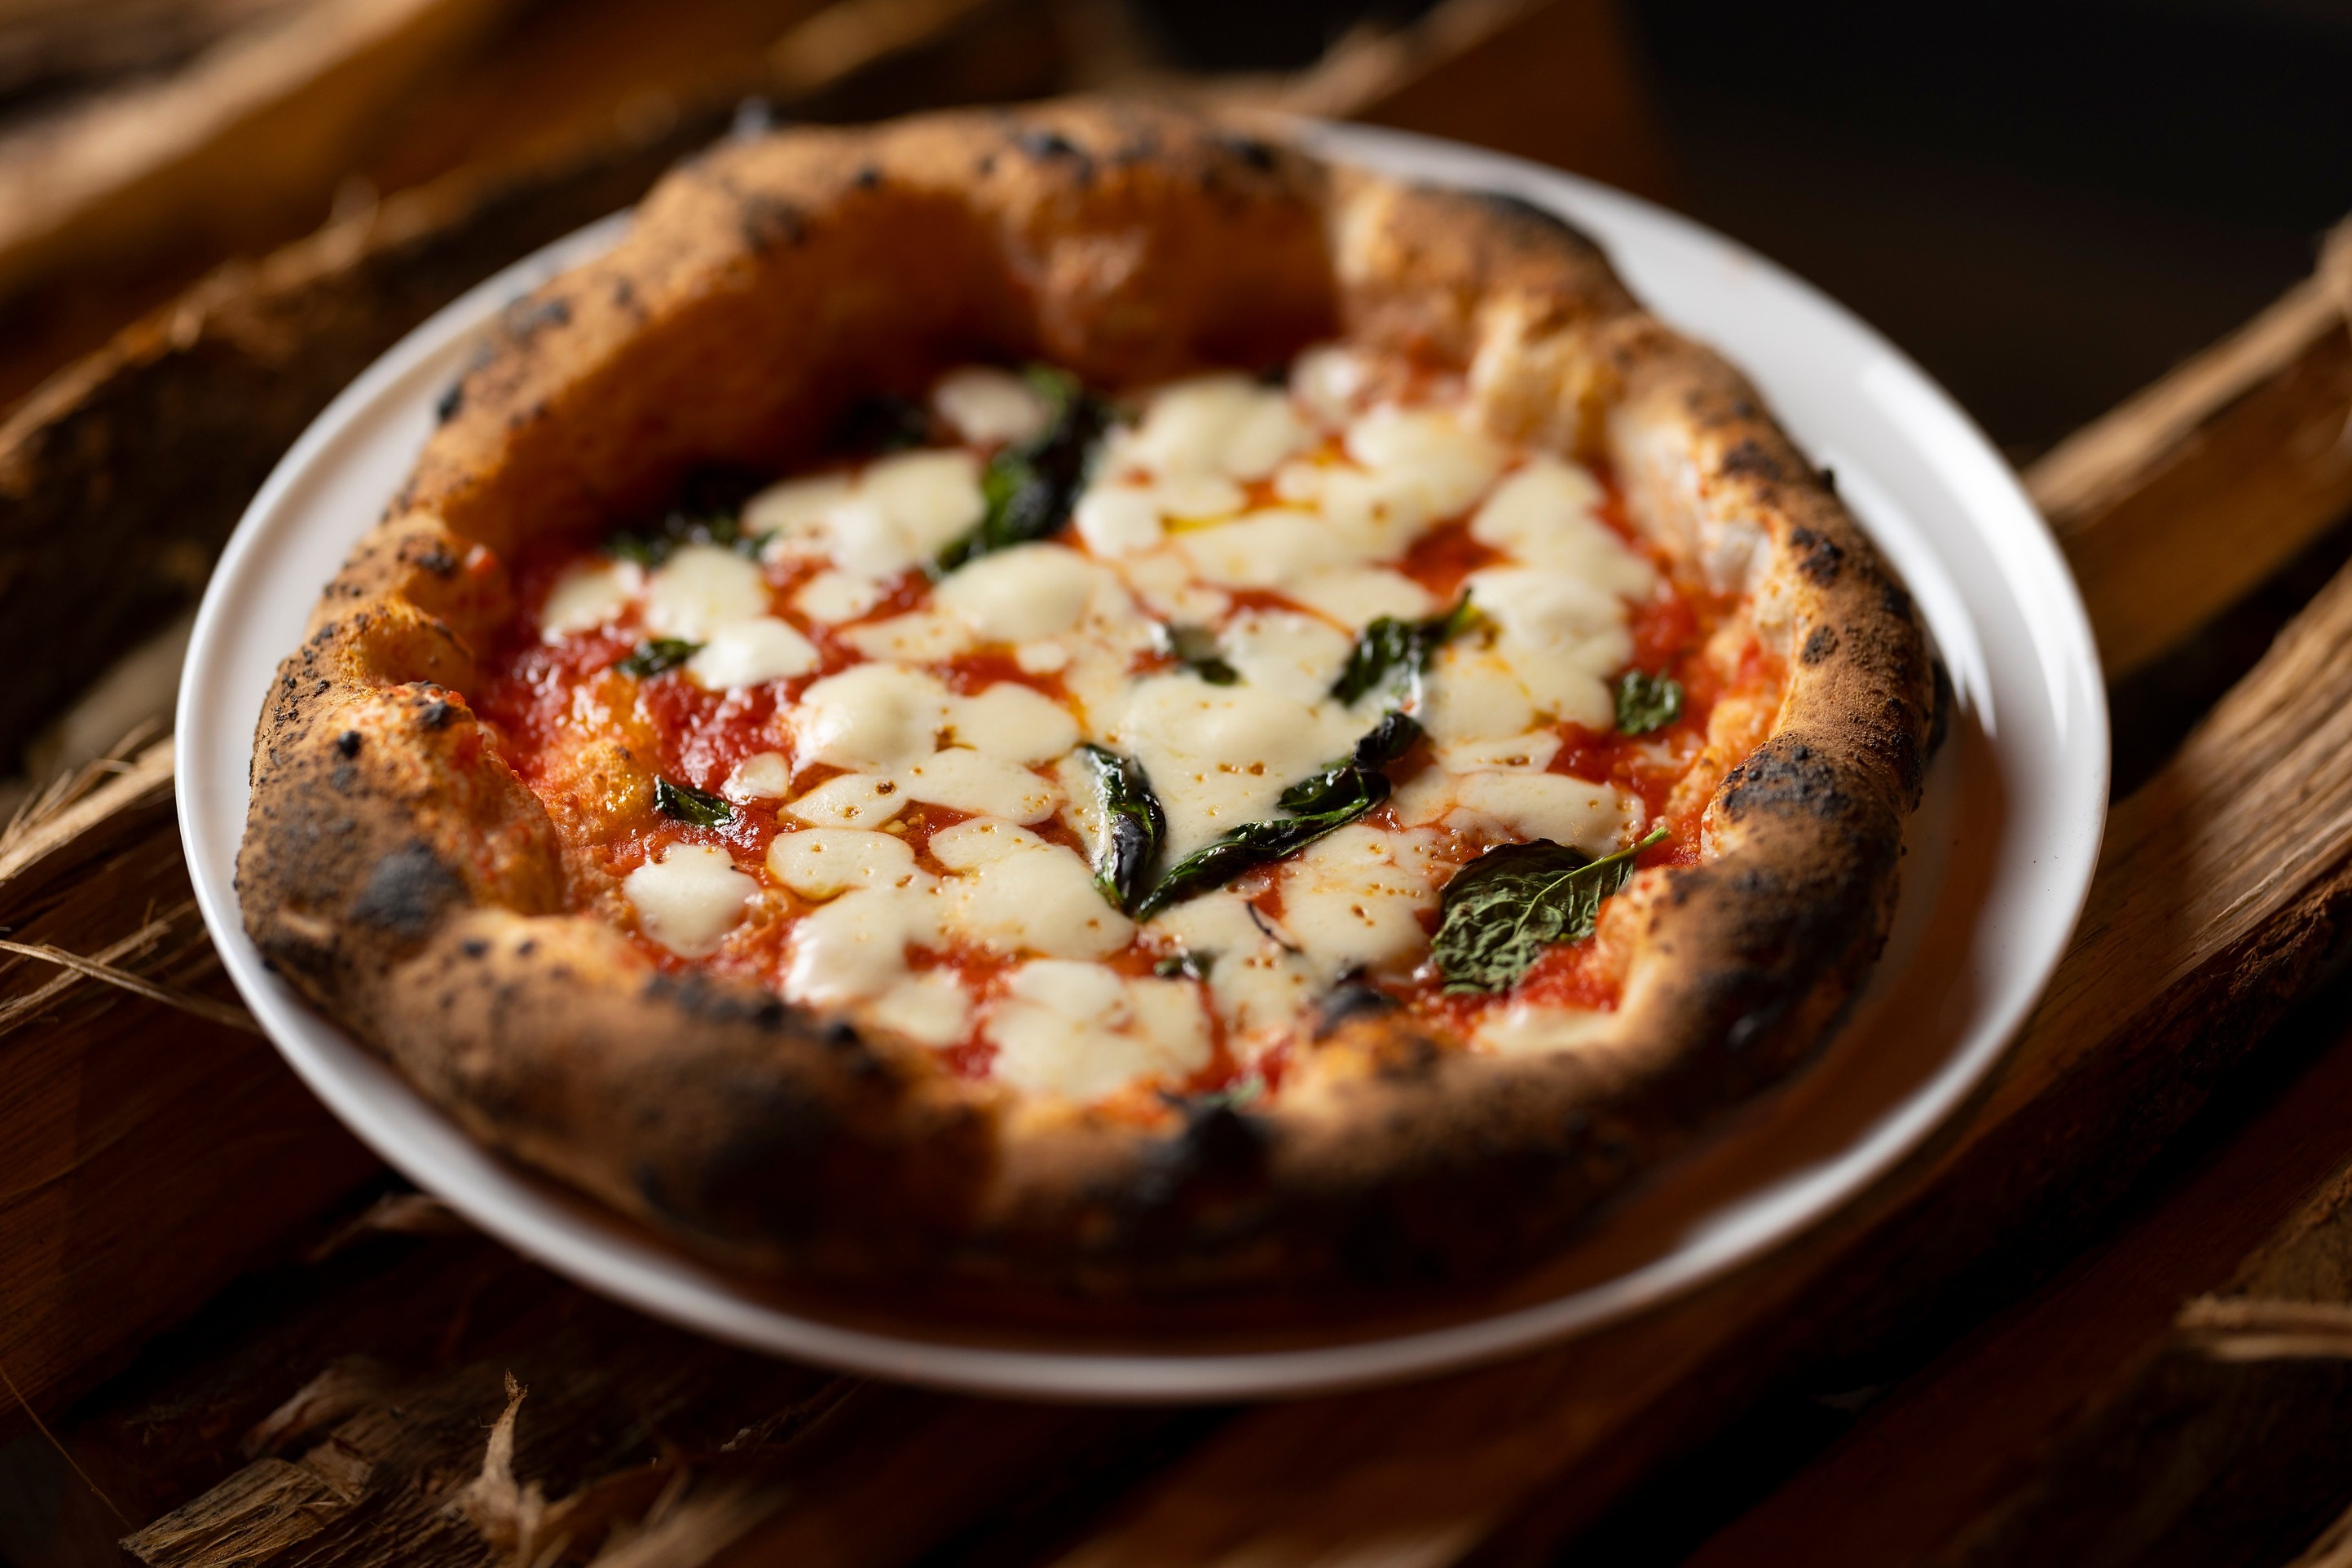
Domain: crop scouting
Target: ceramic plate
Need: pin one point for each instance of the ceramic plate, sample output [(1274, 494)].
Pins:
[(1999, 857)]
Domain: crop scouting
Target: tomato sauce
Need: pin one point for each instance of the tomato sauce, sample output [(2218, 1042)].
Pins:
[(545, 701)]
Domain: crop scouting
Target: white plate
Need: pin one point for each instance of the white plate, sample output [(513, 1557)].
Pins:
[(2021, 790)]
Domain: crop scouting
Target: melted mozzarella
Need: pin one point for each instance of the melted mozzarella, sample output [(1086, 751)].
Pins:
[(763, 775), (855, 947), (689, 899), (751, 653), (1593, 817), (588, 597), (1542, 516), (819, 862), (1079, 1031), (983, 785), (1224, 424), (1292, 655), (918, 637), (1020, 893), (987, 405), (1219, 755), (831, 598), (1354, 899), (929, 1009), (1020, 594), (1266, 550), (850, 800), (1015, 722), (900, 514), (1257, 983), (871, 717), (701, 588)]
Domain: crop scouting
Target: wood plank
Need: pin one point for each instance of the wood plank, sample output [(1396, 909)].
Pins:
[(269, 117), (2038, 1439), (146, 1157), (2182, 500)]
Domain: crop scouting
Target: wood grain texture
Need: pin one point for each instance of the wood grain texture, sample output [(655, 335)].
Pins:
[(2162, 1355), (145, 1156), (2183, 499)]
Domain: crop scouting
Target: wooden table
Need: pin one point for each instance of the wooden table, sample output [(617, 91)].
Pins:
[(2104, 1314)]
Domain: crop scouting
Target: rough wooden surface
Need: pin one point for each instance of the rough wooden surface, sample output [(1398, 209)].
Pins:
[(147, 1155), (2187, 496), (2183, 1349)]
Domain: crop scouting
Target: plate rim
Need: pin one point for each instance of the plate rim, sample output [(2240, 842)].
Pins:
[(612, 1263)]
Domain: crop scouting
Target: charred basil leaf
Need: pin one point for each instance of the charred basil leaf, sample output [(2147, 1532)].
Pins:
[(684, 802), (1133, 825), (1196, 648), (1647, 702), (1030, 486), (1326, 800), (1504, 909), (656, 654), (1391, 655)]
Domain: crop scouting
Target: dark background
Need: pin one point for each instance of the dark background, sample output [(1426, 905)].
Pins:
[(2047, 204)]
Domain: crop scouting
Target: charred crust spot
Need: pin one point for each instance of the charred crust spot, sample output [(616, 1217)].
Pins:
[(1785, 776), (474, 947), (1258, 154), (1045, 144), (868, 178), (407, 892), (526, 318), (348, 743), (437, 561), (768, 221), (526, 947), (1819, 646), (1895, 598), (698, 997), (1818, 555), (446, 407), (1350, 1001), (1828, 478), (1221, 1149), (436, 714), (1750, 461)]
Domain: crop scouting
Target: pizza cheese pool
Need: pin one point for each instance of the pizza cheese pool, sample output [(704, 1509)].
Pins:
[(1073, 699)]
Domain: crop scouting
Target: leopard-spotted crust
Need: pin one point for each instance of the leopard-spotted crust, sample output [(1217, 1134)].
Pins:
[(396, 871)]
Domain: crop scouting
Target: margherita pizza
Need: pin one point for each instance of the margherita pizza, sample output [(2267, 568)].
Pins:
[(1077, 699)]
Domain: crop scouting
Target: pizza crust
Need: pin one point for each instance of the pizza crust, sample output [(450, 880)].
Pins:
[(397, 873)]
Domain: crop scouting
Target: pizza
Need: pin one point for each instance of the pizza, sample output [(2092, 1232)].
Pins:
[(1076, 700)]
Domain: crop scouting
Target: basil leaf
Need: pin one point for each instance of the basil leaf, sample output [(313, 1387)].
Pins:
[(1393, 655), (660, 653), (1030, 486), (1647, 702), (1133, 825), (1180, 966), (1196, 648), (1392, 738), (684, 802), (1326, 800), (1504, 909)]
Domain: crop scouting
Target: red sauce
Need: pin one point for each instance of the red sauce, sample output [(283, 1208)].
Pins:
[(543, 703)]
